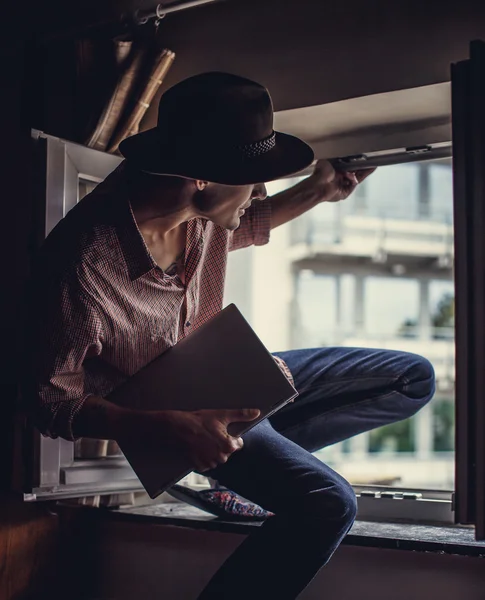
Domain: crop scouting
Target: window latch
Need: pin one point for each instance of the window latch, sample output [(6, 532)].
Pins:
[(418, 149)]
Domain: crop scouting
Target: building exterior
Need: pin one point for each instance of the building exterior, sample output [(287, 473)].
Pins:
[(372, 271)]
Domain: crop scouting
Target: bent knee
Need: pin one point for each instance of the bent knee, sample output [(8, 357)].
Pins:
[(336, 502), (419, 381)]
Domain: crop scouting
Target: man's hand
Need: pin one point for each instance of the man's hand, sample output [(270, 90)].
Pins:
[(200, 435), (203, 436), (324, 185), (336, 185)]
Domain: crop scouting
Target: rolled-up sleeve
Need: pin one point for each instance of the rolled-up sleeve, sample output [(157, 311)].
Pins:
[(64, 330), (254, 228)]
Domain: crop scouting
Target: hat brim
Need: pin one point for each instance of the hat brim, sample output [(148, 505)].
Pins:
[(289, 156)]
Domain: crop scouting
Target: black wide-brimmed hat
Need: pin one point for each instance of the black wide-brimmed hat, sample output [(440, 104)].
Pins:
[(217, 127)]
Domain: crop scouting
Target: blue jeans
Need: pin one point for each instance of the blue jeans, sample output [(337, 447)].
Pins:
[(343, 392)]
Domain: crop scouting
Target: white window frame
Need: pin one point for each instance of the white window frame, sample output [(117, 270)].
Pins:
[(382, 503), (52, 471), (55, 472)]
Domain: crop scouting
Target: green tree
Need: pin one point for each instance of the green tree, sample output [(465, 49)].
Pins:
[(443, 317), (445, 311), (408, 328), (443, 426), (396, 437)]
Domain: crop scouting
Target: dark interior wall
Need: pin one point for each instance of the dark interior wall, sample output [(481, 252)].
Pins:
[(149, 560), (28, 535), (15, 199), (306, 55), (307, 52), (316, 51)]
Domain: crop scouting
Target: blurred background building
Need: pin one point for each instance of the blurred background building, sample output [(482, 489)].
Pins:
[(375, 270)]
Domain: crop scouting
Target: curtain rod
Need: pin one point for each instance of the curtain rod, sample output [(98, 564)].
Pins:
[(123, 22), (161, 10)]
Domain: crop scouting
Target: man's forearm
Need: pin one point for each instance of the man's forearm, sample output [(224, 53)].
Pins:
[(99, 418), (295, 201)]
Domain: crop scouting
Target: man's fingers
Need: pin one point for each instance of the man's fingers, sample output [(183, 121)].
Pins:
[(238, 415), (208, 466), (236, 443), (325, 170), (223, 458), (351, 177), (228, 444), (363, 174)]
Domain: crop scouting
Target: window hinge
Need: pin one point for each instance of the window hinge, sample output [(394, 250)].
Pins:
[(392, 495), (418, 149)]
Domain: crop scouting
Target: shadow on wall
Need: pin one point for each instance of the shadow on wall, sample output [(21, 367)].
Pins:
[(313, 53), (149, 561)]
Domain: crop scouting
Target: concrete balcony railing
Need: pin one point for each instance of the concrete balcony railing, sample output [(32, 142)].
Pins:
[(371, 237)]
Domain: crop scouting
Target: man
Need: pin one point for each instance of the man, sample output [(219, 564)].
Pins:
[(140, 263)]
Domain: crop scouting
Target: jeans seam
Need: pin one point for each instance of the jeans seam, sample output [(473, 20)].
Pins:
[(402, 376), (356, 379), (341, 409)]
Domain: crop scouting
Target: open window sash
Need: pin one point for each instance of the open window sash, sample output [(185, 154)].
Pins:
[(468, 126)]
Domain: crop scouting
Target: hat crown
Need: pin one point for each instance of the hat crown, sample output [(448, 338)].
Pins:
[(215, 109), (217, 127)]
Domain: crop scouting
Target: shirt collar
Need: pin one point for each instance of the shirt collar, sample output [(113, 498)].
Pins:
[(134, 250), (137, 257)]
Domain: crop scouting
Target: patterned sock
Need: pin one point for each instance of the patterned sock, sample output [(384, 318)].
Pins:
[(222, 503)]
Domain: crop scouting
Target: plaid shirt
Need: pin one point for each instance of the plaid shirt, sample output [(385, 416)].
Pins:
[(101, 308)]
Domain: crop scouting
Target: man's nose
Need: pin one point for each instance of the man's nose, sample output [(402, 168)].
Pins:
[(259, 192)]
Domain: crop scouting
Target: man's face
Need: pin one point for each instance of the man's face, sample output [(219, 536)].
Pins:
[(224, 205)]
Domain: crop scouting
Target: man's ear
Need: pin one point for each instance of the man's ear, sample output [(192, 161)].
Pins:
[(201, 185)]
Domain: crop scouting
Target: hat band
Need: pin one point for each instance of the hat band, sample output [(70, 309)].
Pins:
[(258, 148)]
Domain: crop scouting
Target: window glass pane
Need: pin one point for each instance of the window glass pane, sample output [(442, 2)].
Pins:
[(443, 425), (391, 306), (85, 187), (393, 192), (441, 191), (442, 308), (323, 224), (397, 437), (346, 446), (316, 302), (373, 271)]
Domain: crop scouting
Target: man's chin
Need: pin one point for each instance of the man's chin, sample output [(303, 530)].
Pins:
[(233, 225), (230, 225)]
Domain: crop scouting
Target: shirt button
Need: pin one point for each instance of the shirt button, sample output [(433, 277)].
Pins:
[(188, 324)]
